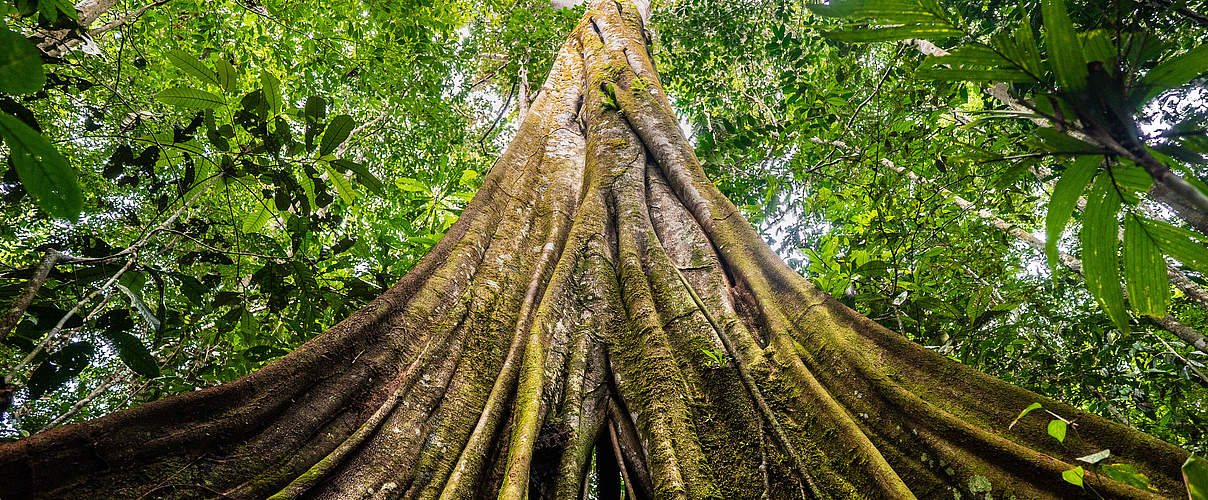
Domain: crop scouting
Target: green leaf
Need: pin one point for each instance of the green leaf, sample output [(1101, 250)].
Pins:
[(1131, 177), (191, 288), (52, 8), (410, 185), (316, 109), (1176, 70), (1183, 245), (1126, 474), (467, 176), (341, 183), (1057, 429), (1033, 406), (1100, 243), (337, 132), (1065, 50), (365, 177), (272, 91), (1096, 457), (1195, 476), (1060, 142), (20, 64), (43, 171), (924, 31), (1145, 271), (308, 186), (1065, 197), (59, 368), (1073, 476), (134, 354), (227, 75), (1026, 48), (888, 11), (969, 55), (185, 97), (196, 69), (975, 75), (1020, 48), (1097, 46), (257, 219)]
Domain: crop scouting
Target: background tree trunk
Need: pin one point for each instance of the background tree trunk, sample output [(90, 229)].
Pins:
[(599, 296)]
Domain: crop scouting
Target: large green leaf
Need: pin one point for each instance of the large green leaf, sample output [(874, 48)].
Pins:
[(1097, 46), (227, 75), (1183, 245), (59, 367), (186, 97), (1065, 50), (1020, 48), (1131, 178), (973, 63), (258, 218), (1100, 244), (363, 175), (272, 91), (337, 132), (1074, 476), (1057, 429), (1061, 142), (341, 183), (44, 172), (1144, 270), (1065, 196), (974, 74), (133, 353), (923, 31), (315, 110), (1195, 476), (20, 64), (1177, 70), (889, 11), (1126, 474), (50, 9), (193, 67)]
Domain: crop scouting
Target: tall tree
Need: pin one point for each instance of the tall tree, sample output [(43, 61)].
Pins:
[(599, 301)]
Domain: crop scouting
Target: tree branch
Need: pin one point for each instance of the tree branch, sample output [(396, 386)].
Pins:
[(32, 286)]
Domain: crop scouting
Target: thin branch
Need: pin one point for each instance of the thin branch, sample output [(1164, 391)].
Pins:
[(32, 286), (502, 109), (217, 250)]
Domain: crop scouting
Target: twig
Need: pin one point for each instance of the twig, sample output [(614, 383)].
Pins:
[(228, 252)]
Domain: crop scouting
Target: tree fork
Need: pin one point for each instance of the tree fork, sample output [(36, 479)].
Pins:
[(573, 311)]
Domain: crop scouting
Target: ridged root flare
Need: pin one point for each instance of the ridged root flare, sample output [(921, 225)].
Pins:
[(599, 302)]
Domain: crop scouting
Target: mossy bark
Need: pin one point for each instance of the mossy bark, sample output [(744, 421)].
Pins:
[(600, 302)]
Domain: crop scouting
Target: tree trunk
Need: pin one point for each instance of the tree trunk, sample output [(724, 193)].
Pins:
[(598, 298)]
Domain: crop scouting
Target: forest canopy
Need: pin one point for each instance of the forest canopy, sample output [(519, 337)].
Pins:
[(194, 189)]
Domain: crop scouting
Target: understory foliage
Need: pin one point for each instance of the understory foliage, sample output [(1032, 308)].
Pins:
[(219, 182)]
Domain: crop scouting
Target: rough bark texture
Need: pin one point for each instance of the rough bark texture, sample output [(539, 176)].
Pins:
[(578, 308)]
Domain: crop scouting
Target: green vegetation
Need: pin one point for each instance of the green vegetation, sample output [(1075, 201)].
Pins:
[(193, 190)]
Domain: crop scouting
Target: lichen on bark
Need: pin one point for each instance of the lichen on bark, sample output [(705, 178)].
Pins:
[(599, 301)]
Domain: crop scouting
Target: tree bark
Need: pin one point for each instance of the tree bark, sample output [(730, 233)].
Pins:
[(579, 307)]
